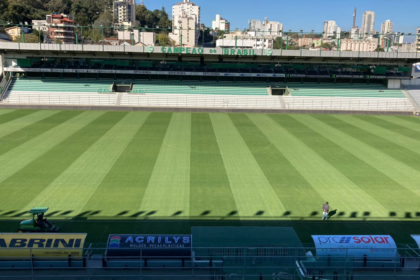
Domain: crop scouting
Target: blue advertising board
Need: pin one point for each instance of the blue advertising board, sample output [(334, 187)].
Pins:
[(417, 68), (147, 245)]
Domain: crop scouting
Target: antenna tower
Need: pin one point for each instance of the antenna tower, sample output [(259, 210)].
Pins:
[(354, 17)]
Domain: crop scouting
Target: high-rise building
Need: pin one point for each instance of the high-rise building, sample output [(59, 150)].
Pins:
[(125, 13), (368, 24), (220, 24), (185, 23), (258, 28), (331, 29), (387, 27)]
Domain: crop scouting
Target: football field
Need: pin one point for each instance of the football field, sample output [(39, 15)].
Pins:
[(162, 172)]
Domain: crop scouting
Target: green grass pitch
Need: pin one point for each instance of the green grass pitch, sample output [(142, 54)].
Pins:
[(122, 172)]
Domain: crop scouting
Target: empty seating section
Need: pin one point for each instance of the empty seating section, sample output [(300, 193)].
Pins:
[(146, 87), (60, 85), (196, 87), (355, 90)]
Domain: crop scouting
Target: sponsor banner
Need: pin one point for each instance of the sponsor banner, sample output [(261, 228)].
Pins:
[(124, 71), (318, 76), (296, 75), (82, 70), (373, 77), (350, 76), (92, 71), (416, 238), (149, 245), (57, 70), (43, 70), (106, 71), (373, 246), (69, 70), (42, 244)]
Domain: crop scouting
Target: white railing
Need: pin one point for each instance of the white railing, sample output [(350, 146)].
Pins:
[(62, 99), (213, 101), (348, 103)]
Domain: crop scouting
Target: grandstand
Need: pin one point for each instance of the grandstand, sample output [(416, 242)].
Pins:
[(149, 87), (195, 94), (355, 90)]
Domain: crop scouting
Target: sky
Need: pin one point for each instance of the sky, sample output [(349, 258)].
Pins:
[(304, 15)]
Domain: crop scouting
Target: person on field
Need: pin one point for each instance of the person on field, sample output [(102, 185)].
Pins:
[(43, 222), (325, 211)]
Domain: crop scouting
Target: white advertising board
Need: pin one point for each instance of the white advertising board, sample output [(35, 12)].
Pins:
[(381, 247)]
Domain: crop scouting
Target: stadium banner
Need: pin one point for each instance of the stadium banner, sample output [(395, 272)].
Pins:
[(106, 71), (149, 245), (381, 247), (42, 244), (69, 70), (213, 74), (416, 238), (124, 71), (349, 76)]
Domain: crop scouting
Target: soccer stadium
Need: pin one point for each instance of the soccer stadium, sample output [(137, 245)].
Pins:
[(166, 162)]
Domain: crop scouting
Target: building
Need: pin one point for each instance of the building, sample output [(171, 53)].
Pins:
[(387, 27), (60, 29), (14, 32), (355, 33), (41, 26), (331, 29), (185, 23), (220, 24), (368, 24), (142, 38), (305, 42), (245, 43), (418, 39), (362, 45), (398, 38), (258, 28), (125, 13)]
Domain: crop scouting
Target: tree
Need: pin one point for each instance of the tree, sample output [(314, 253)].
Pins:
[(38, 34), (29, 38), (102, 25), (326, 46), (162, 39)]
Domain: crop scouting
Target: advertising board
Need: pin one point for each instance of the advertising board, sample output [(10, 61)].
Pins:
[(42, 244), (149, 245), (381, 247)]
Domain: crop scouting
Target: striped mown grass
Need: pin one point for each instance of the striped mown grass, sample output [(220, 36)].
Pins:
[(164, 172)]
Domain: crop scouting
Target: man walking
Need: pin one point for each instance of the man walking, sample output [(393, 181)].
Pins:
[(325, 211)]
